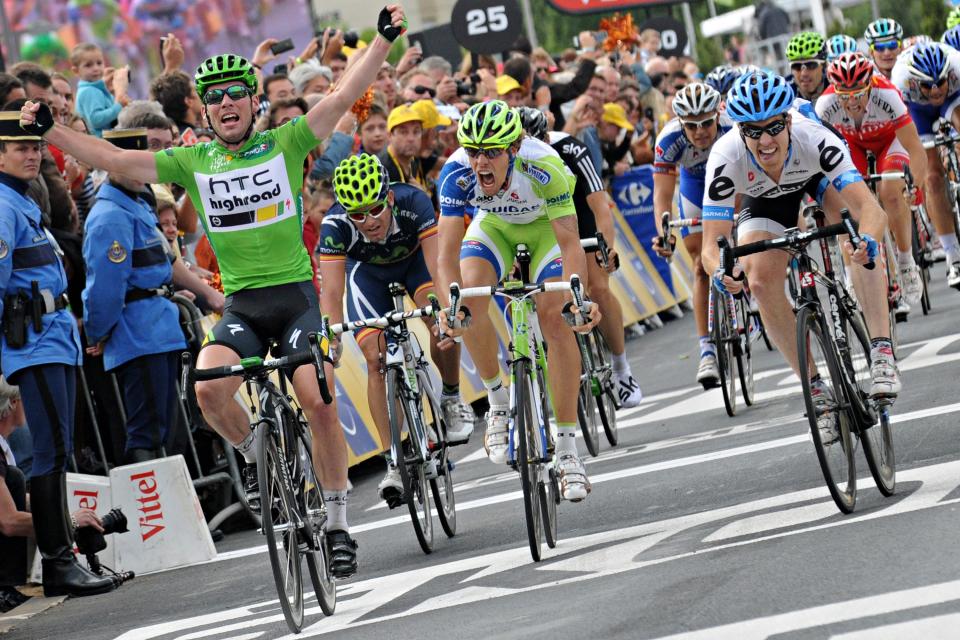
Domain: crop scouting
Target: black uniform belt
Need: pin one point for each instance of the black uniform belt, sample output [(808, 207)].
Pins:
[(142, 294)]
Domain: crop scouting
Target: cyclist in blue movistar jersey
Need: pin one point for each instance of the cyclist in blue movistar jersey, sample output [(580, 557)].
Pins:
[(376, 234)]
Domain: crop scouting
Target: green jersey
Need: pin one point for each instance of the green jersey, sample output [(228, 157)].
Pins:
[(250, 203)]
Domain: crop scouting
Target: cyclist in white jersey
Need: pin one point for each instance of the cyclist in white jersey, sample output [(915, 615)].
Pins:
[(521, 192), (771, 160), (928, 77)]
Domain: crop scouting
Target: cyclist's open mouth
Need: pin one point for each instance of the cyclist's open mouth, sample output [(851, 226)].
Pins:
[(487, 179), (767, 154), (229, 118)]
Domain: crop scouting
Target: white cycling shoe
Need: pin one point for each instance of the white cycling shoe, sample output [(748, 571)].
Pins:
[(574, 484), (497, 437)]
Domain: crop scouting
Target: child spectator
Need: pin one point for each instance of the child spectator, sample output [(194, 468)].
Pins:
[(94, 101)]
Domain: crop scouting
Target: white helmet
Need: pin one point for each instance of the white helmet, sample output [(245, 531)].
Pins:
[(694, 99)]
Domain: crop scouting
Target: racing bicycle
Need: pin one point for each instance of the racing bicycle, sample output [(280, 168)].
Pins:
[(834, 352), (413, 409), (293, 513)]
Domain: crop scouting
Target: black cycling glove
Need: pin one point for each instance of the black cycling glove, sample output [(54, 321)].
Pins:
[(386, 28), (43, 121)]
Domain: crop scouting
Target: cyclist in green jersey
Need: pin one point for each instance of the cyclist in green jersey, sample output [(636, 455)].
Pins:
[(246, 186)]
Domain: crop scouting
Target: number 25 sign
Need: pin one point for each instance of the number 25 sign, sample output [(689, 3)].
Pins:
[(486, 26)]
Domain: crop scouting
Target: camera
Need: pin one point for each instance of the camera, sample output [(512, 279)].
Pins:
[(465, 88), (90, 542), (350, 37)]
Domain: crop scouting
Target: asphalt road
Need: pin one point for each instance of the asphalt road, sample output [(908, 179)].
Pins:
[(699, 526)]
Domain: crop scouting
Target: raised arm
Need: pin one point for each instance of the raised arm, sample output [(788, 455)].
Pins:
[(92, 151), (324, 115)]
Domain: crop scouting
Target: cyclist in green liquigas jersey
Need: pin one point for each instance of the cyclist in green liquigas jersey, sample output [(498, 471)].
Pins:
[(246, 186), (521, 192)]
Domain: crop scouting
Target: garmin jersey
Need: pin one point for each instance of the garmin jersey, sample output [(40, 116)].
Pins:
[(413, 221), (901, 78), (674, 148), (538, 184), (884, 114), (249, 202), (731, 170)]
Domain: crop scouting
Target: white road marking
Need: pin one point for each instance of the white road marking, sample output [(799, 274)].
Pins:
[(923, 628), (609, 553), (629, 472)]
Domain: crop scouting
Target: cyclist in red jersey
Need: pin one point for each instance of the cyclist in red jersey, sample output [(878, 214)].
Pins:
[(868, 110)]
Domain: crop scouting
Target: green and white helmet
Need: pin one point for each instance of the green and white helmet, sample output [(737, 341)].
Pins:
[(224, 68), (806, 45), (489, 124), (360, 181)]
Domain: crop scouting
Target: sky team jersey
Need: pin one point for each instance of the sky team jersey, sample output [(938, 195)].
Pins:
[(250, 203), (674, 148), (538, 184), (885, 113), (900, 76), (732, 169), (413, 221)]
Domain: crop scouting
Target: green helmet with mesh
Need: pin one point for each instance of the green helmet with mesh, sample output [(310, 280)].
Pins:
[(806, 45), (360, 181), (224, 68), (489, 124), (953, 18)]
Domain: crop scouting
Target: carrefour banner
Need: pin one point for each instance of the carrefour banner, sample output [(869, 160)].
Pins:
[(633, 193)]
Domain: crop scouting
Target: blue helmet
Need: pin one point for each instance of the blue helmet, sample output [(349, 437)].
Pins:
[(952, 37), (927, 62), (883, 29), (838, 45), (722, 78), (758, 96)]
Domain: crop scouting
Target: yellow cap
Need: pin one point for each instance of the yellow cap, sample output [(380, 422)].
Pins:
[(429, 115), (615, 114), (506, 84), (401, 114), (349, 51)]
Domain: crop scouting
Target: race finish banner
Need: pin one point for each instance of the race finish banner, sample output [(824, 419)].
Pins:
[(129, 31), (582, 7)]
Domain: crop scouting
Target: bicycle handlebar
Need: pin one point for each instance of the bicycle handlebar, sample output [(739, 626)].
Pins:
[(255, 366), (383, 322), (515, 292), (794, 239)]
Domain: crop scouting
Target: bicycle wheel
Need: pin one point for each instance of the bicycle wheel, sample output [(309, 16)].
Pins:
[(918, 241), (527, 439), (874, 431), (721, 334), (587, 414), (315, 517), (441, 484), (745, 353), (403, 411), (834, 450), (549, 491), (279, 525), (607, 400)]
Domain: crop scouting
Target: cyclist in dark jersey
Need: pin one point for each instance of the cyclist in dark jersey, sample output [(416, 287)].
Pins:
[(246, 187), (593, 212), (379, 233)]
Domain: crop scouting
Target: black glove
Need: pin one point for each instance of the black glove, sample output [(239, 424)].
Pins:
[(44, 121), (386, 28)]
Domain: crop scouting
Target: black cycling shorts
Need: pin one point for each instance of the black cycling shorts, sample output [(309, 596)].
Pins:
[(783, 209), (255, 318), (586, 222)]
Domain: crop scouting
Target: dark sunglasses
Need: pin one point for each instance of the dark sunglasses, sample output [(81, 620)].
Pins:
[(420, 90), (773, 129), (890, 45), (691, 125), (924, 84), (236, 92), (490, 152), (375, 212), (809, 65)]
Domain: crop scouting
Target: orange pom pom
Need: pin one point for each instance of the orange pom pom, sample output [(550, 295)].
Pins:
[(620, 30)]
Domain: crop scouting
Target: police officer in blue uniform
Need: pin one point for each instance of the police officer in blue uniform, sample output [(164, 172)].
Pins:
[(40, 351), (127, 313)]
